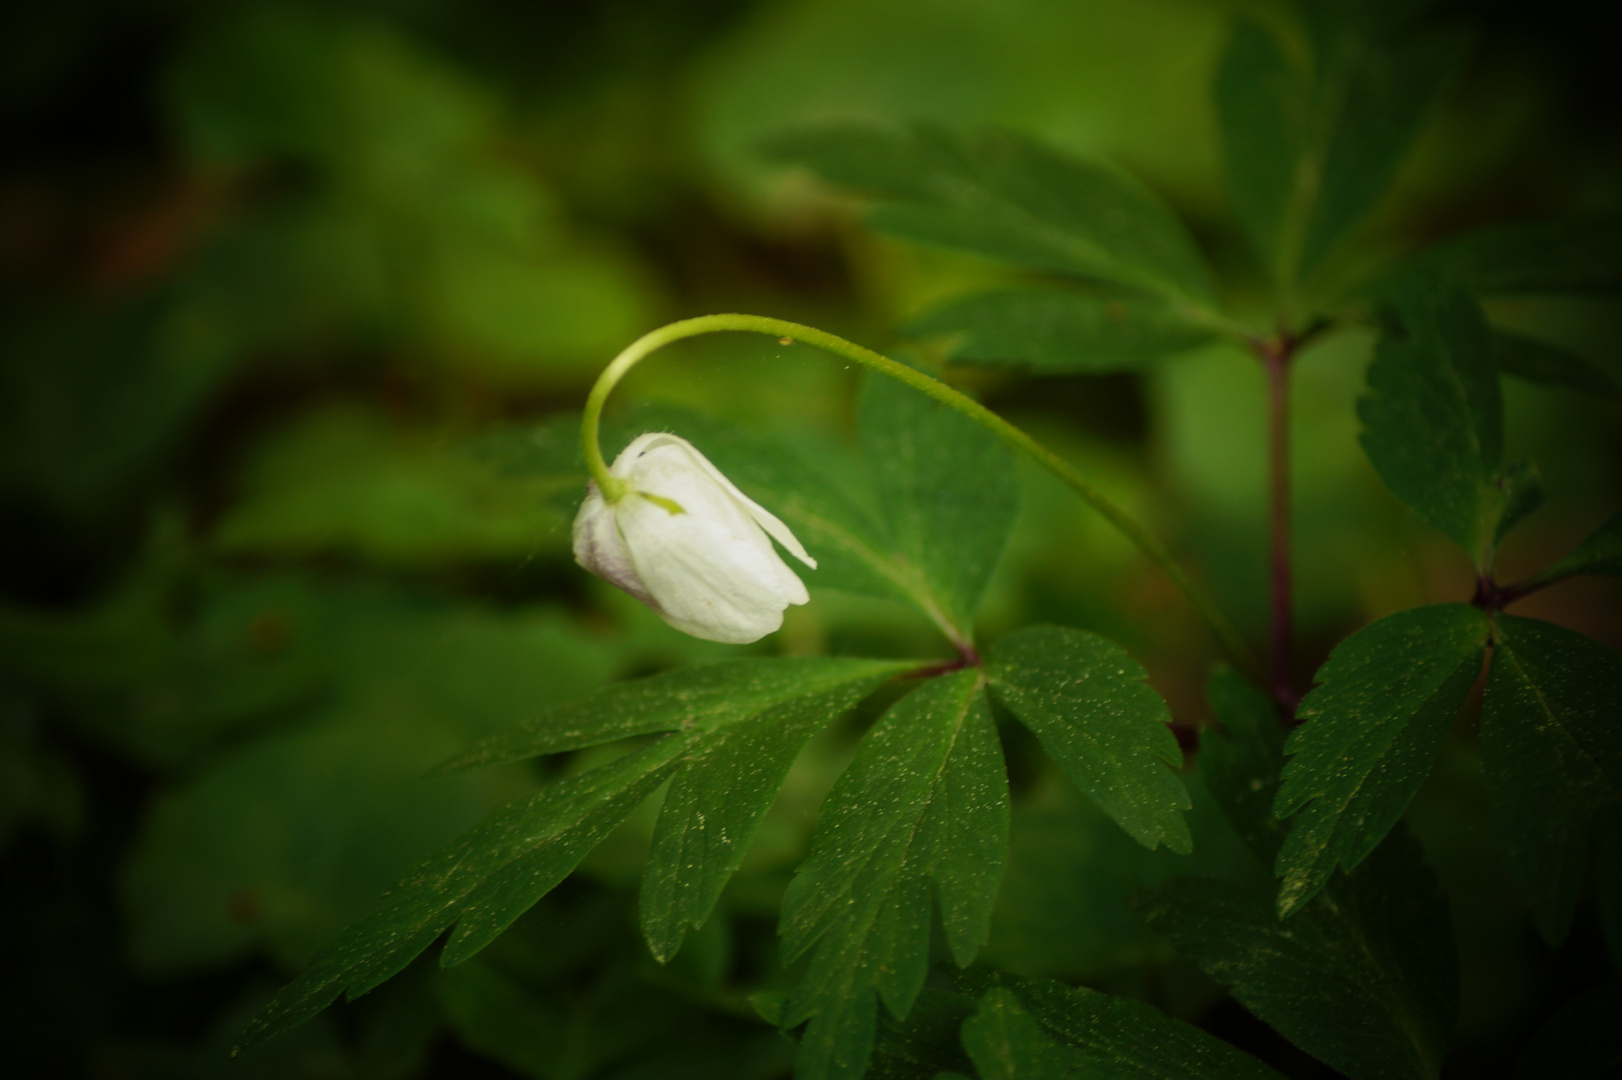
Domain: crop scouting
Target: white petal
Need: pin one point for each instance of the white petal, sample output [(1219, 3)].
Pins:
[(599, 547), (644, 445)]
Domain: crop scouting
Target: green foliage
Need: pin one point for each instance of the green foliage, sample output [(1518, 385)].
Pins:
[(1540, 362), (1006, 1043), (1363, 977), (1573, 255), (1551, 742), (1101, 722), (923, 809), (1433, 423), (1370, 730), (1008, 198), (1599, 553), (1242, 760), (1062, 332)]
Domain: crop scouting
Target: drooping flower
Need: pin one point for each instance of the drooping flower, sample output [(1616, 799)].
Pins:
[(685, 541)]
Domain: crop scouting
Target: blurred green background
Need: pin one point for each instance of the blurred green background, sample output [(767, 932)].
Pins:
[(298, 304)]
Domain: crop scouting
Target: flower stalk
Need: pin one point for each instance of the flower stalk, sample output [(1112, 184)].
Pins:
[(613, 489)]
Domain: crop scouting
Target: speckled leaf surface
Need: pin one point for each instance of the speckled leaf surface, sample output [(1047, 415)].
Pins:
[(1551, 744), (1364, 978), (1370, 731), (922, 810), (1097, 717)]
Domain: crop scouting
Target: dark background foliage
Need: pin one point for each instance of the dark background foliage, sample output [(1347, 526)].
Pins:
[(288, 290)]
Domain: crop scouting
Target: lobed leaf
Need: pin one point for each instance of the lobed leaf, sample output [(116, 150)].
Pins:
[(1006, 1043), (1551, 745), (1103, 1037), (1376, 93), (1540, 362), (1599, 553), (1009, 198), (1433, 415), (495, 871), (924, 807), (706, 697), (1062, 332), (1259, 101), (949, 495), (1370, 730), (1088, 703), (1365, 978)]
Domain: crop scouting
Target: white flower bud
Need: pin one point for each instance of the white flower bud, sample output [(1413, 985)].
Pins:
[(686, 542)]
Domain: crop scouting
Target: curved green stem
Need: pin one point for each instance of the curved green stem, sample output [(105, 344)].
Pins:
[(613, 488)]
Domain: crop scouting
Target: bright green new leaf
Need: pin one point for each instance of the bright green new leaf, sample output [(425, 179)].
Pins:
[(949, 495), (1540, 362), (1010, 198), (1364, 978), (1433, 417), (1260, 101), (1375, 95), (1600, 553), (1089, 704), (1103, 1037), (1370, 730), (923, 809), (1551, 744), (1241, 759), (1062, 332)]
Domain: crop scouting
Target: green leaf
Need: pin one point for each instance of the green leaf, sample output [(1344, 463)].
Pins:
[(1370, 730), (1377, 94), (924, 806), (1540, 362), (1097, 717), (1365, 978), (1559, 256), (1241, 759), (1520, 493), (705, 697), (1061, 332), (1117, 1038), (714, 805), (949, 495), (497, 870), (1259, 102), (1010, 198), (1551, 745), (1433, 416), (1006, 1043), (1600, 553)]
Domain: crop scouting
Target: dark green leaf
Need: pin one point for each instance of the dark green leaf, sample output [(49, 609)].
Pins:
[(1088, 703), (1009, 198), (1241, 759), (497, 870), (715, 803), (1370, 730), (924, 807), (1540, 362), (705, 697), (1061, 332), (1570, 255), (1117, 1038), (949, 494), (1259, 101), (1520, 492), (1551, 744), (1579, 1042), (1006, 1043), (1600, 553), (1383, 97), (1363, 978), (1433, 416)]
